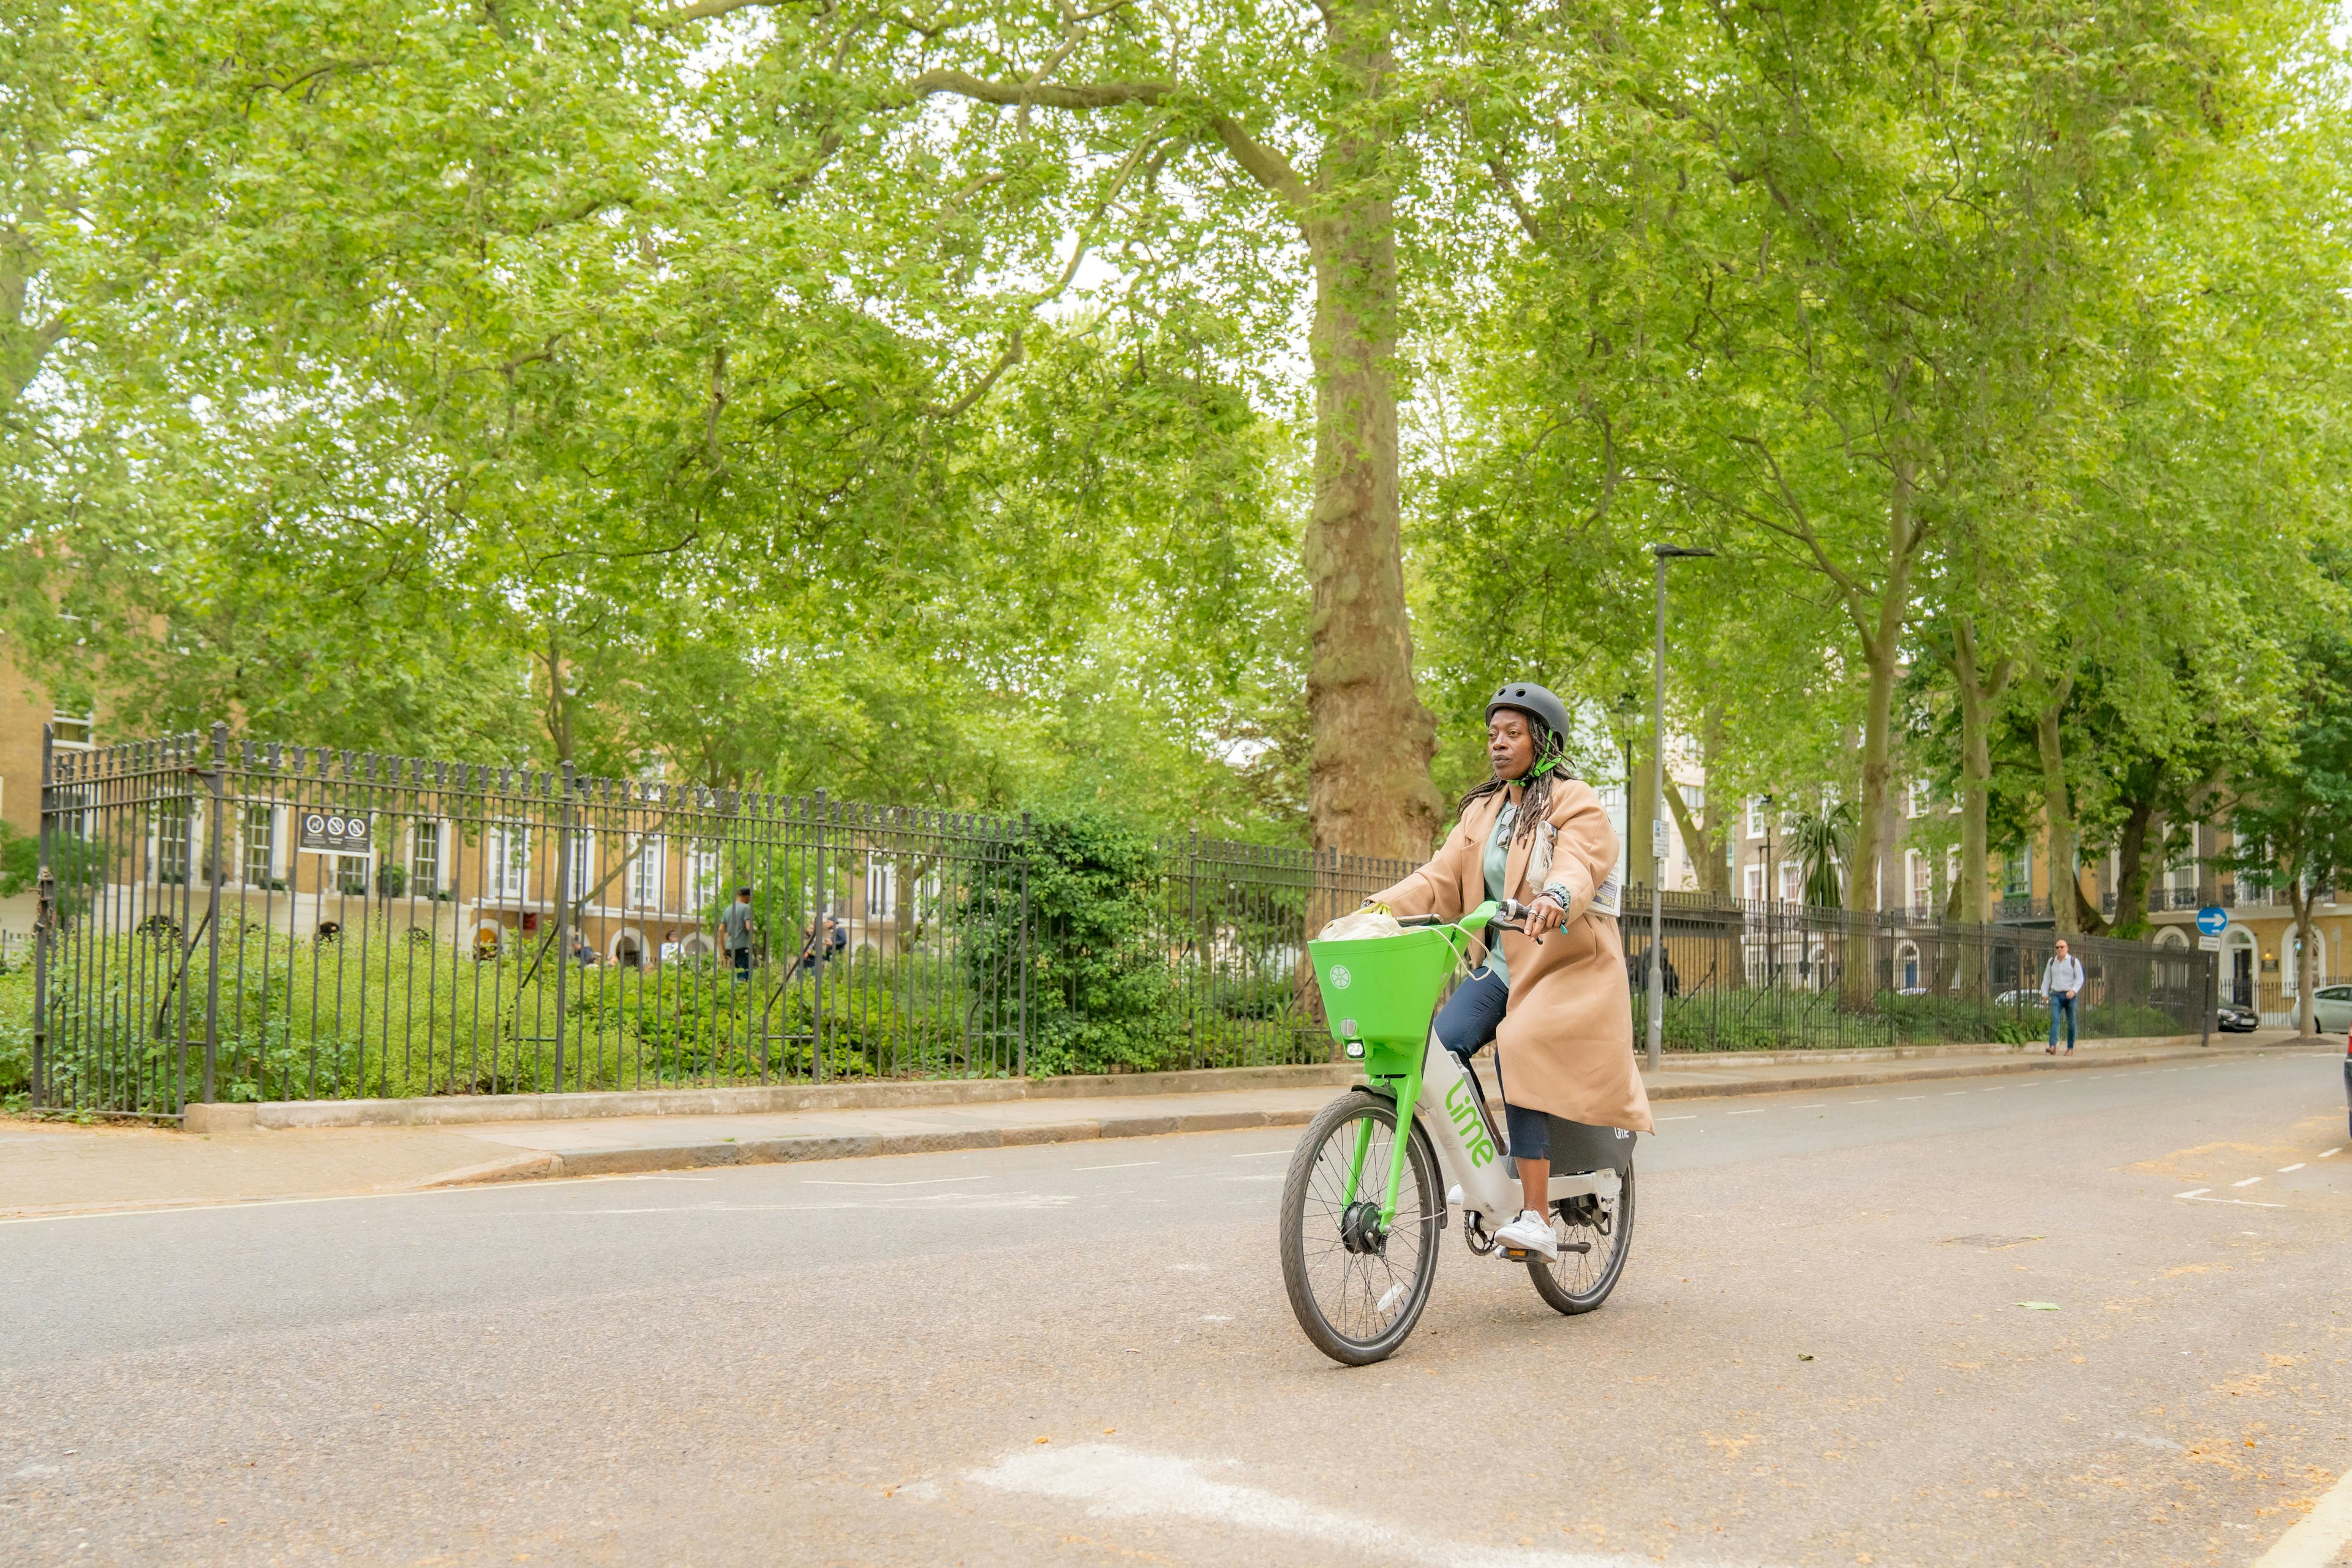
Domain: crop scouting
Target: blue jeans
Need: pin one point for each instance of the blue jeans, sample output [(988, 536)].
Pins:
[(2061, 1003), (1465, 1026)]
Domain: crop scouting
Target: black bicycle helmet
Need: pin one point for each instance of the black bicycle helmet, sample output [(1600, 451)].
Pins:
[(1528, 698)]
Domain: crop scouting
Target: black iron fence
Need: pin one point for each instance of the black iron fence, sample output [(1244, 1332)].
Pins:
[(1741, 975), (223, 918), (231, 919)]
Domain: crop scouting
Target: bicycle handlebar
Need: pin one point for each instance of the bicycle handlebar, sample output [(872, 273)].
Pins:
[(1509, 915)]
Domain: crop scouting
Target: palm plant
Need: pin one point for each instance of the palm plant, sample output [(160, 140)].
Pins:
[(1820, 841)]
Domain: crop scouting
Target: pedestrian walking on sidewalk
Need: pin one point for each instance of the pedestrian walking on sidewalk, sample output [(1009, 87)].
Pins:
[(2062, 979), (735, 930)]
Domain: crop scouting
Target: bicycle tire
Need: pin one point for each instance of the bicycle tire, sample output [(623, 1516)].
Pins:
[(1368, 1301), (1575, 1282)]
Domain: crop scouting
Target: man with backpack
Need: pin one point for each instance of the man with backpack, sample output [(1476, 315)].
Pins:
[(2062, 981)]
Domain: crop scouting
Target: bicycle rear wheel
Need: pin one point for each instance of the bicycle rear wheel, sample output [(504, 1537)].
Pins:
[(1357, 1286), (1578, 1281)]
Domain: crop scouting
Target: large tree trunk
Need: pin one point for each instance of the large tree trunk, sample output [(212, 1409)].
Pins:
[(2057, 810), (1368, 786), (2307, 965), (1703, 830), (1979, 689), (2131, 859), (1881, 656), (1642, 811)]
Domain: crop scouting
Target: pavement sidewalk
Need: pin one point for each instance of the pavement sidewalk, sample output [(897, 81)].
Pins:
[(49, 1170)]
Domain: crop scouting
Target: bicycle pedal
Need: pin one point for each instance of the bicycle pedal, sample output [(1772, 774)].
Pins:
[(1515, 1254)]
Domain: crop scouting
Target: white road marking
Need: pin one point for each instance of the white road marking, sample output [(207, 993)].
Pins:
[(1692, 1117), (1130, 1165), (1758, 1111), (1861, 1102), (2283, 1170), (1817, 1105), (1949, 1092), (2249, 1182), (2242, 1202), (2337, 1150), (1114, 1482), (2198, 1193), (1262, 1155), (2318, 1536), (1900, 1098)]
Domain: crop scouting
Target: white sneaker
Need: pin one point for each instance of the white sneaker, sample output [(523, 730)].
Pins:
[(1531, 1232)]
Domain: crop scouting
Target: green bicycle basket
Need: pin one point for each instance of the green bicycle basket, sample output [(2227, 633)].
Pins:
[(1380, 993)]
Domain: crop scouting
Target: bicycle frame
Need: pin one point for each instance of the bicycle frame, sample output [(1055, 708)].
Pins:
[(1468, 1151), (1446, 1099)]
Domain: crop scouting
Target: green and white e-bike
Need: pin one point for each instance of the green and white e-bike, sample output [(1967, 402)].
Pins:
[(1371, 1181)]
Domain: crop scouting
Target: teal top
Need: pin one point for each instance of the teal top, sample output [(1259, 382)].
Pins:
[(1498, 855)]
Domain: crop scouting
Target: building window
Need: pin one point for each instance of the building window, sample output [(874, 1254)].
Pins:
[(350, 874), (2017, 873), (175, 833), (76, 731), (259, 840), (505, 861), (646, 872), (1922, 876), (424, 859), (702, 875), (1917, 804), (1755, 817), (881, 888), (1755, 884), (583, 877)]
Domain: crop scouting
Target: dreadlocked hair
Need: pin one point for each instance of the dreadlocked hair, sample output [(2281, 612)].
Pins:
[(1535, 796)]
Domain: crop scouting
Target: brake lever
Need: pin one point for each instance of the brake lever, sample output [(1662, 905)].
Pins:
[(1514, 917)]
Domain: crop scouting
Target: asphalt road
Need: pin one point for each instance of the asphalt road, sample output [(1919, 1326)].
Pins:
[(1081, 1353)]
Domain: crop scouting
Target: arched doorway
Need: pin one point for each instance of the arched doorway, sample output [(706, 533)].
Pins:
[(2238, 949), (628, 948)]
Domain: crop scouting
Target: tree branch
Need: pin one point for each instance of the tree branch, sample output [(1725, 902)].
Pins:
[(1052, 95), (1262, 164), (979, 389), (1510, 189)]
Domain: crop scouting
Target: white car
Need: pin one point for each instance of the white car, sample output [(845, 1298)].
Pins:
[(2034, 998), (2331, 1006)]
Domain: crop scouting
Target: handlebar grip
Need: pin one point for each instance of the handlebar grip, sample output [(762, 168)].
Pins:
[(1513, 917)]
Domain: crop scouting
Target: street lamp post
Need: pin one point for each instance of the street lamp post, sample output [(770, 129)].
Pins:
[(1661, 554)]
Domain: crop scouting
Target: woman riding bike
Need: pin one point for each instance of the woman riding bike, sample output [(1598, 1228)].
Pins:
[(1553, 1001)]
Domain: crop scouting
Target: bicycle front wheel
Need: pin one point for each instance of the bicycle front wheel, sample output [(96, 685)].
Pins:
[(1357, 1285), (1596, 1235)]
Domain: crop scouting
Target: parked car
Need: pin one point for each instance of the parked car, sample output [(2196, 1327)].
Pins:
[(2348, 1084), (2033, 998), (2332, 1006), (2232, 1019)]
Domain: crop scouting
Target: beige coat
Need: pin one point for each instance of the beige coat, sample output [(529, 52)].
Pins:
[(1567, 1041)]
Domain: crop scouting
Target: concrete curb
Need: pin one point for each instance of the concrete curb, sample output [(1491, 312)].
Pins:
[(868, 1145), (2040, 1063), (459, 1111), (846, 1146)]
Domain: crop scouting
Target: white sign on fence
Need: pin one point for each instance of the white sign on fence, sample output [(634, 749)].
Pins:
[(336, 832)]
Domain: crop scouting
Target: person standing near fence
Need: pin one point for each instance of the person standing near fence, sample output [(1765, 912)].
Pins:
[(2062, 981), (735, 930)]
